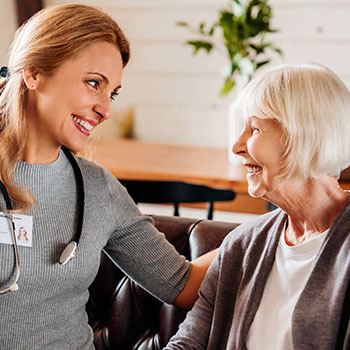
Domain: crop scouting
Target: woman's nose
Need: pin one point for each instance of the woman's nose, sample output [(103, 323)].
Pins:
[(239, 147), (103, 107)]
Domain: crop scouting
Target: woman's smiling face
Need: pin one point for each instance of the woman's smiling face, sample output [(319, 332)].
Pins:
[(63, 108), (261, 147)]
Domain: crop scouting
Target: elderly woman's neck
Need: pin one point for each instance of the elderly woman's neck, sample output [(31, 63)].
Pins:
[(311, 207)]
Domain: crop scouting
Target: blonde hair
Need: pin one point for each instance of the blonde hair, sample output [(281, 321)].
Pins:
[(48, 39), (313, 107)]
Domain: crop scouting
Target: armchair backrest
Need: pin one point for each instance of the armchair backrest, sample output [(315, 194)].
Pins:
[(122, 314)]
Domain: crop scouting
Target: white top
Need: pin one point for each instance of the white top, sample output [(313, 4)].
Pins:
[(271, 328)]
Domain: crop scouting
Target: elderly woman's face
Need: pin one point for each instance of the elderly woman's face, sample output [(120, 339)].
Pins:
[(260, 145)]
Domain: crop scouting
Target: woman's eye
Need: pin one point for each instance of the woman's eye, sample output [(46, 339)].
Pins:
[(255, 130), (94, 83), (114, 95)]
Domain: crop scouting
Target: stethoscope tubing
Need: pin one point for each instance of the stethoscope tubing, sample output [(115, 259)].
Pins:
[(14, 285), (71, 247)]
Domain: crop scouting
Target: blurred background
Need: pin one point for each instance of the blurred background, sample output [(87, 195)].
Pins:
[(169, 95)]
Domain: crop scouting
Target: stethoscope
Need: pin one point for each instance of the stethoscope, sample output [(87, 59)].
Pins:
[(70, 249)]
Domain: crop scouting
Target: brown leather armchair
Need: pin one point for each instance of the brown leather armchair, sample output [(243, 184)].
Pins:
[(122, 314)]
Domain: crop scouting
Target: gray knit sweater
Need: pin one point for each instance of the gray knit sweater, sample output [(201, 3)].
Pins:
[(232, 290), (48, 310)]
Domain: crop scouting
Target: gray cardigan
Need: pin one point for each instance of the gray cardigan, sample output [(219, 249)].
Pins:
[(232, 290)]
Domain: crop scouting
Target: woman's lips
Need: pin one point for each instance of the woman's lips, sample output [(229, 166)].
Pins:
[(252, 169), (83, 124)]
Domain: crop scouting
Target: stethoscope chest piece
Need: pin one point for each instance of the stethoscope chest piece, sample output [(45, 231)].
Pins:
[(68, 252)]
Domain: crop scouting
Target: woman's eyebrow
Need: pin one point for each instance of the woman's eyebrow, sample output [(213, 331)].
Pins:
[(252, 118), (104, 78)]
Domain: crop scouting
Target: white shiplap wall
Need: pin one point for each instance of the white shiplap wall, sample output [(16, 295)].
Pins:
[(8, 26), (175, 94)]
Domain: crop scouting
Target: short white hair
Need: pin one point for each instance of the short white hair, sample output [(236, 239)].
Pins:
[(312, 105)]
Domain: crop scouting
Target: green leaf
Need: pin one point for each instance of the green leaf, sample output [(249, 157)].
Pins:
[(228, 86), (262, 63), (279, 51), (182, 24), (212, 29), (276, 49), (201, 28), (200, 45), (257, 48)]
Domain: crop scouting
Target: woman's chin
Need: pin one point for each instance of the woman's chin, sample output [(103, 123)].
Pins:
[(256, 191), (76, 146)]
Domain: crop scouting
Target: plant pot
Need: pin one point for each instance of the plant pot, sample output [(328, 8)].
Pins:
[(235, 127), (235, 123)]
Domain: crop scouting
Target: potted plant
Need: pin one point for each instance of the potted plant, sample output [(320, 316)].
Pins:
[(244, 27)]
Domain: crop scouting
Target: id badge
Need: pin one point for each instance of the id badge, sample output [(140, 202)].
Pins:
[(23, 229)]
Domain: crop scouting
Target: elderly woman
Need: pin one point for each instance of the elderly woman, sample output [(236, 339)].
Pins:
[(282, 281)]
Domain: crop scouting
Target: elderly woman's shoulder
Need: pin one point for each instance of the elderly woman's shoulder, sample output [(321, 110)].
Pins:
[(259, 228)]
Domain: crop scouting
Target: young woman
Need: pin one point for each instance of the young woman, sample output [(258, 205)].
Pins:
[(65, 68), (283, 281)]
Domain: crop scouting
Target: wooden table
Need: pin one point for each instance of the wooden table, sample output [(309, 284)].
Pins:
[(136, 160), (129, 159)]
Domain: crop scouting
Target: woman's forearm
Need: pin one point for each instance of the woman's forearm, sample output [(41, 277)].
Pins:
[(189, 294)]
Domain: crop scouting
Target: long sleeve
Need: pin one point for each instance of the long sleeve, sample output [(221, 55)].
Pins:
[(138, 248), (48, 311)]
